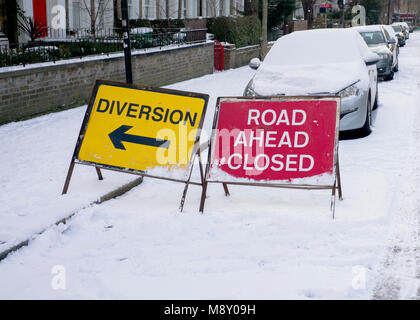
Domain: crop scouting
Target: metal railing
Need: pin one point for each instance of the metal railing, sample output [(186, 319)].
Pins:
[(60, 45)]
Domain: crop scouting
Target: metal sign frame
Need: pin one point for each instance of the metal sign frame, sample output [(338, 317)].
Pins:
[(99, 166), (336, 186)]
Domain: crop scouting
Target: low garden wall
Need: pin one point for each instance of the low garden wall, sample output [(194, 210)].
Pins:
[(37, 89), (238, 57)]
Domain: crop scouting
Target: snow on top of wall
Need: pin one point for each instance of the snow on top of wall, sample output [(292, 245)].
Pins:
[(98, 57)]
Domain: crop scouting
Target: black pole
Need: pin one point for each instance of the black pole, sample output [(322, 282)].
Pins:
[(126, 36), (341, 7)]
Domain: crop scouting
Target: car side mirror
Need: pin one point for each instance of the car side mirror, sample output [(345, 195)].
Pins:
[(254, 63), (371, 58), (392, 41)]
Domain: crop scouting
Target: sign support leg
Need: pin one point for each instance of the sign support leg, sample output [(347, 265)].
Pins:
[(98, 171), (69, 174), (225, 187), (340, 191), (334, 188), (203, 196), (184, 194)]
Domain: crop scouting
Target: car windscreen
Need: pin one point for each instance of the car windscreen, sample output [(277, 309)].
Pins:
[(396, 28), (372, 38)]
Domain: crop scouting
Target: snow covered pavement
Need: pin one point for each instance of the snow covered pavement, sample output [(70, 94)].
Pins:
[(259, 243)]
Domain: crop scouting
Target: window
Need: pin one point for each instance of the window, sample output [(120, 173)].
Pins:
[(147, 9), (373, 38), (76, 15), (130, 9)]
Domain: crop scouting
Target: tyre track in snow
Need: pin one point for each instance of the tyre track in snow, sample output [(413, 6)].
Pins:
[(399, 276)]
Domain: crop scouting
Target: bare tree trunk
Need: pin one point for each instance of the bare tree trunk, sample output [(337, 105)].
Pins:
[(67, 15), (341, 7), (251, 7), (157, 9), (180, 9), (92, 17), (264, 29), (232, 7), (308, 11), (118, 7), (389, 12), (140, 9)]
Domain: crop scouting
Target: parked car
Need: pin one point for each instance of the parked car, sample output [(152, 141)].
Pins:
[(411, 27), (304, 63), (405, 29), (400, 34), (391, 32), (379, 41)]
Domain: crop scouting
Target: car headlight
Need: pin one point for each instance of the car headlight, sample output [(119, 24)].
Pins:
[(351, 90), (249, 92)]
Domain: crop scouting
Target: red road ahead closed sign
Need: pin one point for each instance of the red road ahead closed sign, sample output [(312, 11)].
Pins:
[(275, 139)]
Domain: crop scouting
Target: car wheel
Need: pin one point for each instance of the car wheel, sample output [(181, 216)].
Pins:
[(367, 127), (397, 67), (390, 76), (376, 103)]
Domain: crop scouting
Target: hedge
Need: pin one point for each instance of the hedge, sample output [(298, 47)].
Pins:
[(241, 31)]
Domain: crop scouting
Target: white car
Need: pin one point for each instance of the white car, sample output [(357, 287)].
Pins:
[(323, 62), (405, 27), (380, 42), (393, 35)]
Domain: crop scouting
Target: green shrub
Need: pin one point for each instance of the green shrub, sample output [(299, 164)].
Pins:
[(241, 31)]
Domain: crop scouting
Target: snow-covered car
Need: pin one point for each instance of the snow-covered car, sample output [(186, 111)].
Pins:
[(411, 27), (389, 31), (379, 41), (400, 34), (405, 29), (323, 62)]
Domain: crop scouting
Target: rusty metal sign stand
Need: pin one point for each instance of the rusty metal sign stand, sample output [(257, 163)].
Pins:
[(98, 166), (334, 188), (336, 170), (187, 182)]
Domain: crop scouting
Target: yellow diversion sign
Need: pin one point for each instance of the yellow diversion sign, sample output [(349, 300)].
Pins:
[(139, 128)]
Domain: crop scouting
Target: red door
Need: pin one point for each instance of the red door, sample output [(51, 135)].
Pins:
[(40, 13)]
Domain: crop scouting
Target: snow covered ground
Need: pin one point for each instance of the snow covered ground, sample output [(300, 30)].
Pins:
[(259, 243)]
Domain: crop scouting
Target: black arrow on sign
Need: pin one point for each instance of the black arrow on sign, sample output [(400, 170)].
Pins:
[(119, 135)]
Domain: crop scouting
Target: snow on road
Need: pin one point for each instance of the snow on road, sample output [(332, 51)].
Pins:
[(259, 243)]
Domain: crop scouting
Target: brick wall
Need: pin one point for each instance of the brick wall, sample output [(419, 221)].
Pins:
[(237, 57), (31, 91)]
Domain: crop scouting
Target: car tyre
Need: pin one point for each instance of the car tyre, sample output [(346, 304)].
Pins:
[(367, 127), (390, 76), (376, 103), (397, 67)]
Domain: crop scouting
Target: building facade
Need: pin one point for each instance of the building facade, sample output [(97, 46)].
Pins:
[(183, 9), (64, 18)]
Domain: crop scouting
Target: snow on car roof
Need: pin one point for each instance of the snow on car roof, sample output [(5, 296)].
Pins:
[(369, 28), (319, 46), (313, 61), (390, 30)]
